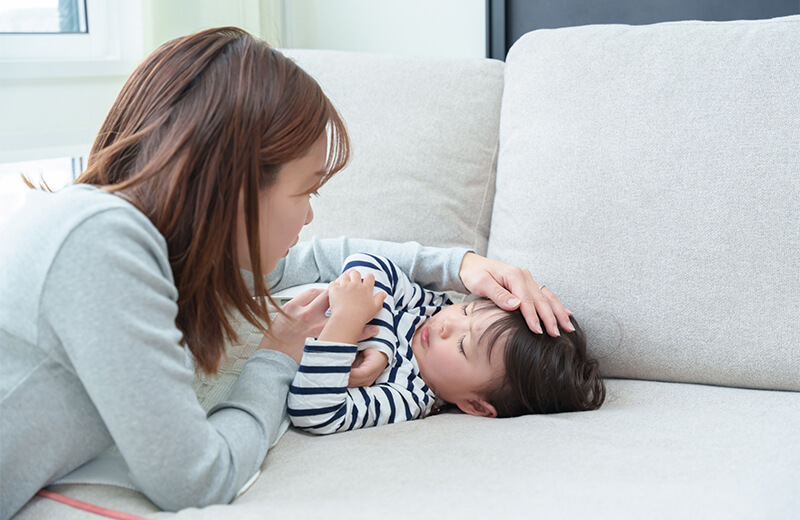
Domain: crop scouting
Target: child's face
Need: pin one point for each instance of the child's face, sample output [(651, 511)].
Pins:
[(452, 362)]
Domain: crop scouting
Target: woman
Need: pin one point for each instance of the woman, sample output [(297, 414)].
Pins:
[(204, 166)]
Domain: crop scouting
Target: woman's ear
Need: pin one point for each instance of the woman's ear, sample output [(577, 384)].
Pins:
[(477, 407)]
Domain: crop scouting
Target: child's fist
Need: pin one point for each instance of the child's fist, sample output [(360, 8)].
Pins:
[(369, 364), (352, 296), (352, 306)]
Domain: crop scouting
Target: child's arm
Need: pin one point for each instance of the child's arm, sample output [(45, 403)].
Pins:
[(401, 295), (321, 403), (352, 303), (319, 399)]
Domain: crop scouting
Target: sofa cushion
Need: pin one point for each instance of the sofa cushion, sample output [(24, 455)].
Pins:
[(424, 134), (654, 450), (649, 176)]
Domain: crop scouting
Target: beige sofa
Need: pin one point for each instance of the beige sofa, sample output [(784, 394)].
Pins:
[(650, 176)]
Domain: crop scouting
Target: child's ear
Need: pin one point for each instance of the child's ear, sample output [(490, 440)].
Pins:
[(477, 407)]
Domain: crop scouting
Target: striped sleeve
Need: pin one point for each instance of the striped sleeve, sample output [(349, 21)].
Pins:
[(401, 295), (321, 403)]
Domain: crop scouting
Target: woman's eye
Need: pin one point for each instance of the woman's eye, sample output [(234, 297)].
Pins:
[(461, 346)]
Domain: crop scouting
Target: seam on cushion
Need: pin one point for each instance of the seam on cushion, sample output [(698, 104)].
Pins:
[(492, 169), (490, 181)]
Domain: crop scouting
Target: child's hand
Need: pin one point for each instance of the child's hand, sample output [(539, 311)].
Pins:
[(367, 367), (351, 296), (352, 306)]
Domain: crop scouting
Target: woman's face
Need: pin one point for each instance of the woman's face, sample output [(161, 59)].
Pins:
[(284, 208)]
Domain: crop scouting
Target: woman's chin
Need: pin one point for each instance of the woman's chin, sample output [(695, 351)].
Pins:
[(268, 267)]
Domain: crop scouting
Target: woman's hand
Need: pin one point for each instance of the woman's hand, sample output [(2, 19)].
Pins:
[(510, 287), (304, 317)]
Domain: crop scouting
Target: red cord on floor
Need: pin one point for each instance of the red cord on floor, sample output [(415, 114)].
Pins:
[(102, 511)]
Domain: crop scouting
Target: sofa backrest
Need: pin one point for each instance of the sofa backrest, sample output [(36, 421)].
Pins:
[(424, 135), (651, 177)]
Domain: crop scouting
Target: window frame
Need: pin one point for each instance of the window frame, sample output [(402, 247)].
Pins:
[(113, 45)]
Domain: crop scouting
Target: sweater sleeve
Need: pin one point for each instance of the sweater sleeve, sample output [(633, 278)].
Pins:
[(321, 403), (110, 299), (321, 261)]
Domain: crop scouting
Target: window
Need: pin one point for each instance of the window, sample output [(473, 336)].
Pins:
[(62, 38), (43, 16)]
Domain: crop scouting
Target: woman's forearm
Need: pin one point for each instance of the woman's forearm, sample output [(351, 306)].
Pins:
[(321, 260)]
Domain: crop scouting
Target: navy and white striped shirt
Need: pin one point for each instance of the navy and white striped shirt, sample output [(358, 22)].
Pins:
[(319, 400)]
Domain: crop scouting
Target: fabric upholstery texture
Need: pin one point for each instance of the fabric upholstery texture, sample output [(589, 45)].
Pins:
[(649, 176), (424, 134), (654, 450)]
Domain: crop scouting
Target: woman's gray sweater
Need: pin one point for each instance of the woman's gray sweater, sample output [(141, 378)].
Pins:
[(90, 355)]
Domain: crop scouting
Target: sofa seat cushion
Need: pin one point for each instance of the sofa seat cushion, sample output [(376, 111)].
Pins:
[(649, 176), (654, 450)]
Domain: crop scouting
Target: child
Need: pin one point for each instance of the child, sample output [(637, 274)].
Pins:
[(474, 355)]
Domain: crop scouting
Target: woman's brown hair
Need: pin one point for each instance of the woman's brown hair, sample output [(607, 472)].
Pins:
[(542, 374), (203, 119)]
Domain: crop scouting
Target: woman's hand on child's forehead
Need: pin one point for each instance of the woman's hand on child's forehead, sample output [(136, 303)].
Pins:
[(512, 287)]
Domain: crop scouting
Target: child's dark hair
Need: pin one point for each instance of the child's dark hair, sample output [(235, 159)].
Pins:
[(543, 374)]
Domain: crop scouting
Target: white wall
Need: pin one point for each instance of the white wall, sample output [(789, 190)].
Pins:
[(44, 117), (445, 28), (168, 19)]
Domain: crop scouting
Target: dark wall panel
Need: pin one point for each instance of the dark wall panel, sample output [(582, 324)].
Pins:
[(507, 20)]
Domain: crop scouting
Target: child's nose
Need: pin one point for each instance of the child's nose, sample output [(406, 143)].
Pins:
[(444, 332)]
